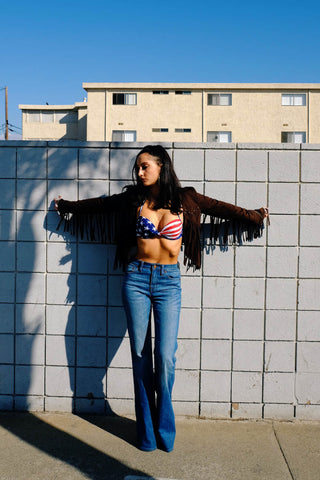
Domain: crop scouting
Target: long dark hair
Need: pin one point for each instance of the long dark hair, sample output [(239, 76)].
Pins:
[(169, 185)]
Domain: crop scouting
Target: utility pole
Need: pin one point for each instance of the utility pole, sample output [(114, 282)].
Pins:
[(7, 122)]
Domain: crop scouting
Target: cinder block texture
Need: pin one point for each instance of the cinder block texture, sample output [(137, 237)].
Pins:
[(246, 411), (284, 231), (282, 261), (248, 324), (94, 163), (309, 261), (281, 293), (86, 187), (309, 230), (215, 385), (310, 201), (60, 319), (29, 382), (121, 163), (246, 387), (279, 387), (31, 257), (7, 256), (279, 357), (309, 294), (249, 293), (30, 350), (221, 190), (189, 164), (249, 192), (217, 323), (7, 200), (7, 318), (249, 336), (310, 171), (280, 325), (250, 262), (32, 162), (62, 163), (283, 198), (7, 225), (220, 165), (309, 326), (247, 356), (252, 166), (283, 166), (308, 388), (7, 162)]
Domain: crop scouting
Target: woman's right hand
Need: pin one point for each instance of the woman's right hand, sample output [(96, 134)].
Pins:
[(56, 201)]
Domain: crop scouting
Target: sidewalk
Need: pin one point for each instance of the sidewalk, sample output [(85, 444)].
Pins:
[(49, 446)]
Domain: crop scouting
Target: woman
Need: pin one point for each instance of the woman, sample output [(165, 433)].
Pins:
[(156, 215)]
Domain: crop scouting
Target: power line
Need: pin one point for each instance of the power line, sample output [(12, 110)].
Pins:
[(14, 126)]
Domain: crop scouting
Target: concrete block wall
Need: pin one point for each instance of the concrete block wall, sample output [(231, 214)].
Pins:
[(249, 339)]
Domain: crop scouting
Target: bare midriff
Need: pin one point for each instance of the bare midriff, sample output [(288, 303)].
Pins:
[(158, 250)]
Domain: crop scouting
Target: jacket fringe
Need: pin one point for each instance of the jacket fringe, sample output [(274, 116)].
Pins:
[(98, 227), (232, 232)]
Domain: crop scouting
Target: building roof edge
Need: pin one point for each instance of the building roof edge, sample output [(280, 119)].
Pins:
[(201, 86)]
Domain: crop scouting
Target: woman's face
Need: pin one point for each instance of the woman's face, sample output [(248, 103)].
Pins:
[(148, 169)]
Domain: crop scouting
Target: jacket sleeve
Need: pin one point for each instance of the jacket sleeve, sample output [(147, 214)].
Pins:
[(228, 223), (218, 209), (92, 219), (90, 205)]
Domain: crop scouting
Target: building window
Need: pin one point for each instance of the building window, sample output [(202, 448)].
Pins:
[(219, 137), (47, 117), (219, 99), (296, 99), (160, 92), (160, 129), (183, 92), (33, 116), (182, 130), (124, 135), (124, 99), (293, 137), (51, 116)]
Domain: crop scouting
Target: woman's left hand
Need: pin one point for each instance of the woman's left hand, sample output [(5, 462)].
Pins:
[(56, 201), (266, 214)]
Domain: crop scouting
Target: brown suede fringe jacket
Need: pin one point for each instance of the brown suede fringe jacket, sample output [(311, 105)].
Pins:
[(113, 220)]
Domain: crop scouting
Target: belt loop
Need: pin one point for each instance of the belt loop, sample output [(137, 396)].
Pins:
[(162, 269), (140, 265)]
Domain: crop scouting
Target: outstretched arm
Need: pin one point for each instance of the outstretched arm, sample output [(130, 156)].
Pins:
[(217, 208), (91, 205)]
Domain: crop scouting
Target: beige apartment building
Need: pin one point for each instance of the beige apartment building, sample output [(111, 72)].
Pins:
[(54, 122), (182, 112)]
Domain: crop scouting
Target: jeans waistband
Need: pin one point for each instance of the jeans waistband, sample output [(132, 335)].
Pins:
[(153, 266)]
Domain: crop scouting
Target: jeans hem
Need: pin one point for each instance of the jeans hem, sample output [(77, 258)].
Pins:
[(147, 449)]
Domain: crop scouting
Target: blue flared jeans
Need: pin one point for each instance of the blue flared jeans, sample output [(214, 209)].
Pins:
[(157, 287)]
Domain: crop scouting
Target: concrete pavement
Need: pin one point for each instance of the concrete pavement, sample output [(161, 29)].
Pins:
[(46, 446)]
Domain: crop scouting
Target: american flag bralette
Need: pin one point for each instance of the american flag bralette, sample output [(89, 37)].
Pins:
[(146, 229)]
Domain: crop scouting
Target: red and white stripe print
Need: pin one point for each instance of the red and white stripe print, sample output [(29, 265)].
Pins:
[(172, 230)]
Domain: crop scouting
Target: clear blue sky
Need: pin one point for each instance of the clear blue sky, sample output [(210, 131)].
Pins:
[(50, 48)]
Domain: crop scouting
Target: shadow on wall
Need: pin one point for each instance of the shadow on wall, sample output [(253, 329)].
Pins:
[(22, 375), (76, 327), (88, 348), (39, 333)]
